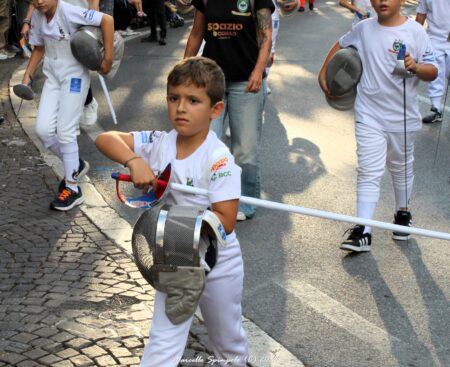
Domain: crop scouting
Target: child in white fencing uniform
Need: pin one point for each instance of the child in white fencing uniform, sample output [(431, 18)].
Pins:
[(89, 116), (437, 13), (383, 138), (65, 87), (198, 158)]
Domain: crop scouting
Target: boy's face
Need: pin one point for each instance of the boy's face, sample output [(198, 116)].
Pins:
[(387, 9), (44, 6), (190, 110)]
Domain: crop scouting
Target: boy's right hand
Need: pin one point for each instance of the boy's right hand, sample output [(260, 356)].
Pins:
[(25, 31), (141, 174), (323, 84), (324, 87), (26, 80), (106, 66), (323, 70)]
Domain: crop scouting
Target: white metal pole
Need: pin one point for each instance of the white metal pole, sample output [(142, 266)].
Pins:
[(108, 98), (320, 213)]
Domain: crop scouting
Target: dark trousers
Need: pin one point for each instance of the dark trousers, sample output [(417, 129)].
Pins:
[(157, 15), (122, 16)]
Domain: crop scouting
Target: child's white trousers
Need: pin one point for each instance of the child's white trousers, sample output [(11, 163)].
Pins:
[(220, 305), (376, 150)]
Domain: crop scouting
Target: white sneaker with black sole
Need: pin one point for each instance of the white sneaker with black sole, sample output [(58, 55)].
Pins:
[(357, 241), (402, 218), (5, 54)]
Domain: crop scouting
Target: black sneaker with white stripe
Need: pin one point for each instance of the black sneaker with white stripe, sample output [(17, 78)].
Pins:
[(357, 241), (402, 218), (435, 116)]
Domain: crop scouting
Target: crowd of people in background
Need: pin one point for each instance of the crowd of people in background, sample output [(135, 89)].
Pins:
[(128, 15)]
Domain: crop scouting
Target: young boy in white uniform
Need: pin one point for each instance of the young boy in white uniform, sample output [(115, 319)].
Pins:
[(89, 116), (65, 87), (437, 14), (195, 90), (379, 109)]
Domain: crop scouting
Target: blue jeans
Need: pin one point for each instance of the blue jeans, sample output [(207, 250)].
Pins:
[(245, 118)]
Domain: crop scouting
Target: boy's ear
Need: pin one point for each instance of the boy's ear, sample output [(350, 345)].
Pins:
[(217, 109)]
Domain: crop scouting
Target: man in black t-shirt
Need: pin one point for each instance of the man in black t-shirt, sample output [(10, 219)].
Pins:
[(238, 37)]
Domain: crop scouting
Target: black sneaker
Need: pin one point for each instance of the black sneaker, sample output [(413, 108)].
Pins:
[(162, 41), (402, 218), (436, 116), (67, 199), (301, 9), (83, 168), (357, 240), (311, 6)]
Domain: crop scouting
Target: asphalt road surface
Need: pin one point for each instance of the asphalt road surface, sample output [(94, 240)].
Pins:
[(330, 308)]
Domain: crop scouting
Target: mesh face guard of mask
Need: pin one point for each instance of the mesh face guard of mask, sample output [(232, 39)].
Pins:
[(173, 247)]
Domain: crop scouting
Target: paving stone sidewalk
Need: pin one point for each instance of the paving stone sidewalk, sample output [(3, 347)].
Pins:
[(68, 295)]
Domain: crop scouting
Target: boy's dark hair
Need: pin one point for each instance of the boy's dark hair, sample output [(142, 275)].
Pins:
[(203, 73)]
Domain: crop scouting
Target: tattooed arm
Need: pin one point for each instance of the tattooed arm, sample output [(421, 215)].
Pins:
[(264, 29)]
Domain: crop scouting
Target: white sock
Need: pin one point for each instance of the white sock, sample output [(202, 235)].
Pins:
[(71, 163), (401, 199), (366, 210), (436, 102)]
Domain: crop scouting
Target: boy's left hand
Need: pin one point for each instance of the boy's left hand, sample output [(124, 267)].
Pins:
[(106, 65), (410, 63)]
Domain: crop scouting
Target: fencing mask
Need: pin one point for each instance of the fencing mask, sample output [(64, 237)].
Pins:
[(87, 47), (173, 247), (24, 91), (343, 73)]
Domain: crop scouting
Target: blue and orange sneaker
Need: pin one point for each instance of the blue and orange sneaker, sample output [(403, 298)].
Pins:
[(67, 199)]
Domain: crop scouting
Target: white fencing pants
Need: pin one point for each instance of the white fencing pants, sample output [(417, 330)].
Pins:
[(376, 150), (436, 88), (63, 95), (220, 305)]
